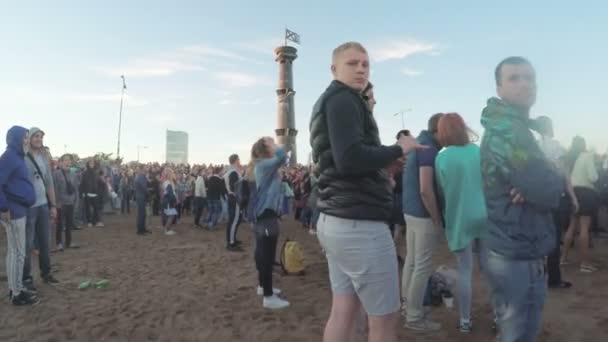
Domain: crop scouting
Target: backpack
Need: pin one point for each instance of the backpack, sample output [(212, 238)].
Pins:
[(242, 193), (292, 258)]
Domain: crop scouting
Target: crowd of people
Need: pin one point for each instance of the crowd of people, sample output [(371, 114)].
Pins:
[(505, 202)]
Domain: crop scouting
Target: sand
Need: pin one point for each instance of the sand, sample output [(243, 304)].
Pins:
[(189, 288)]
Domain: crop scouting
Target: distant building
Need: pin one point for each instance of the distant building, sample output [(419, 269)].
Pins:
[(177, 147)]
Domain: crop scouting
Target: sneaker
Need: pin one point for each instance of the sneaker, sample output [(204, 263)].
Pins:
[(588, 268), (25, 298), (29, 286), (261, 291), (274, 302), (423, 325), (90, 225), (100, 225), (60, 247), (465, 327), (49, 279), (74, 246), (170, 232), (564, 263), (312, 231), (234, 248)]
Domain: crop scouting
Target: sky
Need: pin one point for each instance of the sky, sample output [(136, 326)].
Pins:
[(207, 67)]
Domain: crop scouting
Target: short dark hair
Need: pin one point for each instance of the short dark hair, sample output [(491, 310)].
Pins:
[(233, 158), (405, 132), (513, 60), (434, 122)]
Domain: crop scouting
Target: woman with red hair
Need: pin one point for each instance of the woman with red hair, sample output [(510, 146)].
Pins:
[(458, 175)]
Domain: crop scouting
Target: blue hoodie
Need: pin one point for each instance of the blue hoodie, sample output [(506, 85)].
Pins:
[(16, 190)]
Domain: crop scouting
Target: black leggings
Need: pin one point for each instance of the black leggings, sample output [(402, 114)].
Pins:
[(265, 252)]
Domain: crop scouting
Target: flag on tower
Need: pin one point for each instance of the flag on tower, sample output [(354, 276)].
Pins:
[(124, 85), (290, 35)]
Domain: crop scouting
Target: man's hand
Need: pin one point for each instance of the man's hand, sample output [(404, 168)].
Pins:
[(408, 144), (5, 216), (53, 213), (517, 197)]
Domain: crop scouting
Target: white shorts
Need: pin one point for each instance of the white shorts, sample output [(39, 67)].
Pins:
[(362, 260)]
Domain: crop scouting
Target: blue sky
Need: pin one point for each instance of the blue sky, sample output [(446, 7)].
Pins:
[(207, 67)]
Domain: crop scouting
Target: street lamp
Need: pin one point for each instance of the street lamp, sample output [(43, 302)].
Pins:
[(138, 148), (402, 113), (122, 94)]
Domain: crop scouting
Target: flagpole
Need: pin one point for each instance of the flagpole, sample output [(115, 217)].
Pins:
[(122, 94)]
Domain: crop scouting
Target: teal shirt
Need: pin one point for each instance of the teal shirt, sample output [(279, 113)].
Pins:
[(458, 172)]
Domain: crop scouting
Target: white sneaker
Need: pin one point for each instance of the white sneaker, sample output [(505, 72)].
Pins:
[(274, 291), (170, 232), (100, 225), (89, 225), (274, 302)]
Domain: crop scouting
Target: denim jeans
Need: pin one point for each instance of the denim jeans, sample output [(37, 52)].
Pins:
[(465, 272), (141, 215), (214, 211), (37, 228), (518, 289)]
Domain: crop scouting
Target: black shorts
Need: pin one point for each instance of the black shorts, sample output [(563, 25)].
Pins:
[(588, 201)]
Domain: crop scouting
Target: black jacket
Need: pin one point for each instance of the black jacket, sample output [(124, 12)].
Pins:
[(89, 184), (353, 183)]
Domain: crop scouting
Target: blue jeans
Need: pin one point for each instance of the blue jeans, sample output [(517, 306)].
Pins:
[(465, 272), (214, 211), (518, 290), (141, 215), (37, 228)]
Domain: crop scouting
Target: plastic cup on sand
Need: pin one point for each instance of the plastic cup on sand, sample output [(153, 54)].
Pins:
[(84, 285), (102, 284)]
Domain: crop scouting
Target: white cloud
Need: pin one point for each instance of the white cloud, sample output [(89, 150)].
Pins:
[(151, 68), (411, 72), (130, 100), (400, 49), (240, 79), (261, 46), (253, 102), (206, 50)]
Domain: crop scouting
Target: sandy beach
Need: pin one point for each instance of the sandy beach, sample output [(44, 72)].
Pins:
[(189, 288)]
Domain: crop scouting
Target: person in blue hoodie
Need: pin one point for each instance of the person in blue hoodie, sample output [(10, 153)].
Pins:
[(16, 196), (522, 188)]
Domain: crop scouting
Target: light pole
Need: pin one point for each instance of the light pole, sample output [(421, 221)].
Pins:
[(122, 94), (138, 148), (402, 113)]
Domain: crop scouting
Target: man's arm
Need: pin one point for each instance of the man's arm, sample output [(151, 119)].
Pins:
[(533, 177), (345, 122), (427, 193), (6, 168)]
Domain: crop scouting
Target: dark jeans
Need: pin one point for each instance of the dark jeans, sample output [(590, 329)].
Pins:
[(234, 219), (561, 220), (155, 206), (65, 223), (187, 207), (125, 203), (214, 211), (265, 253), (37, 229), (199, 205), (141, 215), (91, 205)]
